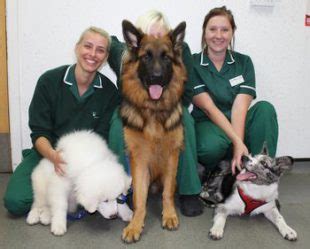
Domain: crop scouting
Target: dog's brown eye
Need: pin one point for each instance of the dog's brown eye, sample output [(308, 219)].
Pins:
[(165, 56), (148, 56)]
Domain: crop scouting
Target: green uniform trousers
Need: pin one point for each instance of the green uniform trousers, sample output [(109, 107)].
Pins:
[(261, 126), (19, 195), (187, 176)]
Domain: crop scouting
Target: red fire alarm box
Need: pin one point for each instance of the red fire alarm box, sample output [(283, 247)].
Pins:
[(307, 20)]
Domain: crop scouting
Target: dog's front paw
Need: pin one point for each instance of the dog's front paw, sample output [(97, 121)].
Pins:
[(58, 228), (170, 222), (33, 216), (131, 233), (289, 233), (124, 212), (90, 207), (90, 203), (216, 233), (45, 217), (108, 209)]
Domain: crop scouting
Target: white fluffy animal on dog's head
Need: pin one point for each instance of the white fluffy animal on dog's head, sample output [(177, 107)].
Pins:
[(92, 176)]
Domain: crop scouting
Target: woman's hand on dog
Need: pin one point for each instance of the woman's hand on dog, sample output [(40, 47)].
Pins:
[(58, 162), (239, 150), (44, 147)]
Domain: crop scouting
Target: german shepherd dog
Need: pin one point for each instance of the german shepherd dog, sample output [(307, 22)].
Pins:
[(153, 77)]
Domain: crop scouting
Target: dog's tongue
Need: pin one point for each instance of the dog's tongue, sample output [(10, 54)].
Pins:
[(246, 176), (155, 91)]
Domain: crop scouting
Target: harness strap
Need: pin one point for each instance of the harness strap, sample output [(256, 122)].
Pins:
[(249, 202)]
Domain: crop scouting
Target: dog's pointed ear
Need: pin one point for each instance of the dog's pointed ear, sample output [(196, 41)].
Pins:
[(284, 163), (177, 36), (265, 149), (132, 35)]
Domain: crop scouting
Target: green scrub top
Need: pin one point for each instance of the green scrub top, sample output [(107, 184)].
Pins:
[(235, 77), (56, 107), (70, 80)]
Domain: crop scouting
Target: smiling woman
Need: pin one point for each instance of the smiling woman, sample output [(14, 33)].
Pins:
[(92, 50), (218, 35), (224, 88), (67, 98)]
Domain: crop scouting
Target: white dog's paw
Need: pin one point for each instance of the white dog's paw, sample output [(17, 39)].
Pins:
[(216, 233), (58, 228), (89, 204), (90, 208), (124, 212), (45, 217), (288, 233), (33, 216), (108, 209)]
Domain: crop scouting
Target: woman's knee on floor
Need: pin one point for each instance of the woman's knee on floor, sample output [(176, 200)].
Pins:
[(16, 205), (265, 108), (211, 153)]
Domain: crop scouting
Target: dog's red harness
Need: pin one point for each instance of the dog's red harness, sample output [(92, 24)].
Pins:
[(249, 202)]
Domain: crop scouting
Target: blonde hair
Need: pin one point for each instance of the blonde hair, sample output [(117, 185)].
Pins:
[(96, 30), (145, 21)]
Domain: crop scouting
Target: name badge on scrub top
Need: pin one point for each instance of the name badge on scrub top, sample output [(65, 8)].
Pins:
[(236, 81)]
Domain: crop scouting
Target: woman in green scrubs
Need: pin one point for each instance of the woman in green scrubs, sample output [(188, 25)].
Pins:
[(67, 98), (223, 84)]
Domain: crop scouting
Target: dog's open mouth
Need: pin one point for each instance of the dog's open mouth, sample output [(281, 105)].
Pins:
[(155, 91), (245, 175)]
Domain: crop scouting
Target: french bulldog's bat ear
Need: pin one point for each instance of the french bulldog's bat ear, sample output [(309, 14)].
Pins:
[(265, 149), (284, 163)]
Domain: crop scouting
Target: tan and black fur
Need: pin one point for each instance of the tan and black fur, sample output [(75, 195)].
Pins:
[(153, 128)]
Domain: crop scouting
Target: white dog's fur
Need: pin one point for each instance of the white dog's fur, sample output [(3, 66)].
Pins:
[(92, 176), (111, 209)]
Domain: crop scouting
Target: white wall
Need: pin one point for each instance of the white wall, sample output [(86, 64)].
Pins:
[(42, 34)]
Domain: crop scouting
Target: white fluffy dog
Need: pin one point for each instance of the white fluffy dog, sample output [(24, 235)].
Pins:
[(92, 176)]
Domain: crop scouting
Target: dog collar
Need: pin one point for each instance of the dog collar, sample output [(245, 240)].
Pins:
[(249, 202), (121, 199)]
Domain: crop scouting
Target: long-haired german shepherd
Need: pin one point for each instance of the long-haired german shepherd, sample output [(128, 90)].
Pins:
[(153, 77)]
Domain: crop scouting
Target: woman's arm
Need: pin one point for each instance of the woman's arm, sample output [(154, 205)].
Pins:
[(206, 104), (116, 52), (239, 111), (44, 147), (40, 121)]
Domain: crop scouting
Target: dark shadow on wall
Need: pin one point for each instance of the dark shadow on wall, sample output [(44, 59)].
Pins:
[(5, 153)]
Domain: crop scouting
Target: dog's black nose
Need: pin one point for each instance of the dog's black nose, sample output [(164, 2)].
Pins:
[(157, 73), (156, 78), (244, 159), (113, 216)]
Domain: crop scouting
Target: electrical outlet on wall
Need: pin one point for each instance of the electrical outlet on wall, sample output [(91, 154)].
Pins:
[(264, 3)]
